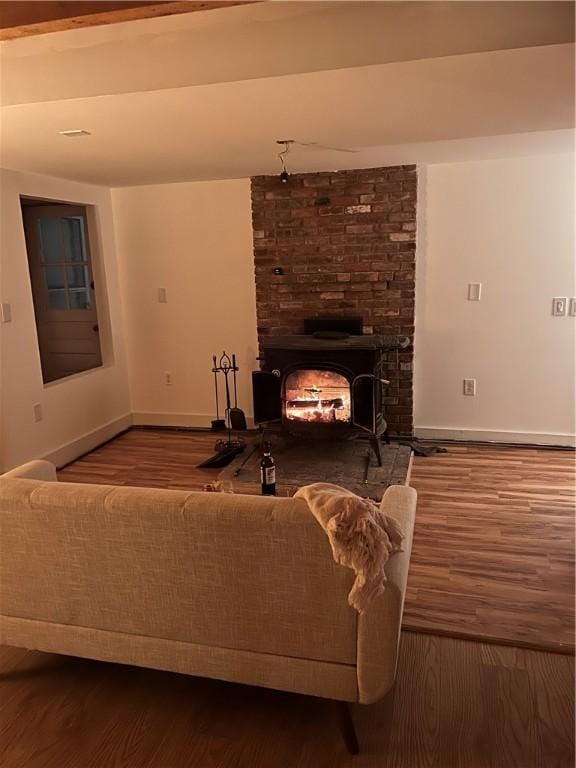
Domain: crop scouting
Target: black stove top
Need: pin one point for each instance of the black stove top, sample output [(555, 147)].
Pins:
[(312, 342)]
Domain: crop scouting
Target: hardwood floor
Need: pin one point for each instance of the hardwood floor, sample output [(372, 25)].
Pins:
[(493, 552), (457, 704), (148, 458), (492, 558), (494, 539)]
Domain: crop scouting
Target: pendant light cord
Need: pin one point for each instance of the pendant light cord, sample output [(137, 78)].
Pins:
[(282, 155)]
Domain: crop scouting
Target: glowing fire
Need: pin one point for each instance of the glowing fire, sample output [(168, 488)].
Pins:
[(317, 396)]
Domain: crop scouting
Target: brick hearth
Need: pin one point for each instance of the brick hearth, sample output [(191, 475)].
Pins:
[(345, 242)]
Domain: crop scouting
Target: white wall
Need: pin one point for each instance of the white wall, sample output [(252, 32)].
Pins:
[(509, 225), (194, 240), (83, 410), (505, 223)]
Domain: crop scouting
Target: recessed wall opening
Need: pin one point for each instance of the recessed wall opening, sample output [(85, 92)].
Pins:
[(63, 288)]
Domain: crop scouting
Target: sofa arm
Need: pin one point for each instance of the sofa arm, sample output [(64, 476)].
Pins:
[(379, 626), (34, 470)]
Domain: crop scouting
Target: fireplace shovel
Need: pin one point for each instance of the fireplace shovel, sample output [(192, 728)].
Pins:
[(236, 415)]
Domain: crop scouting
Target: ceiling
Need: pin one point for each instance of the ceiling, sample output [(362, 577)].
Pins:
[(205, 95)]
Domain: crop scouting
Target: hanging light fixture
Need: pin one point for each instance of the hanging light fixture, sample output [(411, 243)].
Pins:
[(284, 175)]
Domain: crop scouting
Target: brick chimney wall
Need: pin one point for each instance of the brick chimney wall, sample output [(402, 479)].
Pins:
[(345, 242)]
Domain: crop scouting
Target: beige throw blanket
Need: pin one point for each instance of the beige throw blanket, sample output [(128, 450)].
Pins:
[(362, 537)]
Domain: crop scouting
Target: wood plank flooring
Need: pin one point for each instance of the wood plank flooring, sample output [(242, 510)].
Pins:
[(493, 553), (457, 704), (494, 538)]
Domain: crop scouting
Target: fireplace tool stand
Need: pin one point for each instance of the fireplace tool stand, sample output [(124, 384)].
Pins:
[(228, 449)]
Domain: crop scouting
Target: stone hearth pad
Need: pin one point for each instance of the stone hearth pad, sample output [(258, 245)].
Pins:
[(300, 462)]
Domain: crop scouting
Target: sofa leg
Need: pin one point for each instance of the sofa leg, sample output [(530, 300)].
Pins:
[(347, 727)]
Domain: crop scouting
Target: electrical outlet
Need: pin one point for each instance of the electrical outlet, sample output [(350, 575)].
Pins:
[(474, 291), (559, 306), (162, 296), (572, 308), (469, 387), (37, 412), (168, 378)]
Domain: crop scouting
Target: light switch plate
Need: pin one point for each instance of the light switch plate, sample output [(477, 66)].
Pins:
[(6, 313), (572, 308), (559, 306), (162, 296), (474, 291), (469, 387)]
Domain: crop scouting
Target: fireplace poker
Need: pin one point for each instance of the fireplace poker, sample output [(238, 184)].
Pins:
[(367, 465), (217, 424), (246, 458)]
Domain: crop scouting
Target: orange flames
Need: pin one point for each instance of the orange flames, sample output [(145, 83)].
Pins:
[(317, 396)]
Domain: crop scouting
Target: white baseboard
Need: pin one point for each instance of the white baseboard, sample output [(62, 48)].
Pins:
[(487, 435), (198, 420), (70, 451)]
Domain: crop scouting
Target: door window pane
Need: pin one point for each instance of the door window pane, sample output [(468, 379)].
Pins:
[(50, 240), (77, 277), (73, 238), (57, 300), (54, 277), (79, 299)]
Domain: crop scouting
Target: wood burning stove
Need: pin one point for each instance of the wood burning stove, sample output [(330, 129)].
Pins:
[(327, 384)]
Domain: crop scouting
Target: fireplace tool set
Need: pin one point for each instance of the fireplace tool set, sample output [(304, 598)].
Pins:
[(234, 418)]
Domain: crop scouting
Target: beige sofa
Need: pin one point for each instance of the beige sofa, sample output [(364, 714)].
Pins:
[(235, 587)]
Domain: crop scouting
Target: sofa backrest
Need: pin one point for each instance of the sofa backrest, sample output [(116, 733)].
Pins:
[(37, 469), (235, 571)]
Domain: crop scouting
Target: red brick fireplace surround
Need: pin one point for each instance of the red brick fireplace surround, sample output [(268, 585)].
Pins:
[(340, 243)]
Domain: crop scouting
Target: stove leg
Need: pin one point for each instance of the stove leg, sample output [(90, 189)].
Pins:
[(375, 444)]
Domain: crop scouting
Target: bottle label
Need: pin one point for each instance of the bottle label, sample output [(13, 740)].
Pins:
[(269, 475)]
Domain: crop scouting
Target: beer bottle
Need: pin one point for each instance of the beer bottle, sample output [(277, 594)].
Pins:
[(268, 472)]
